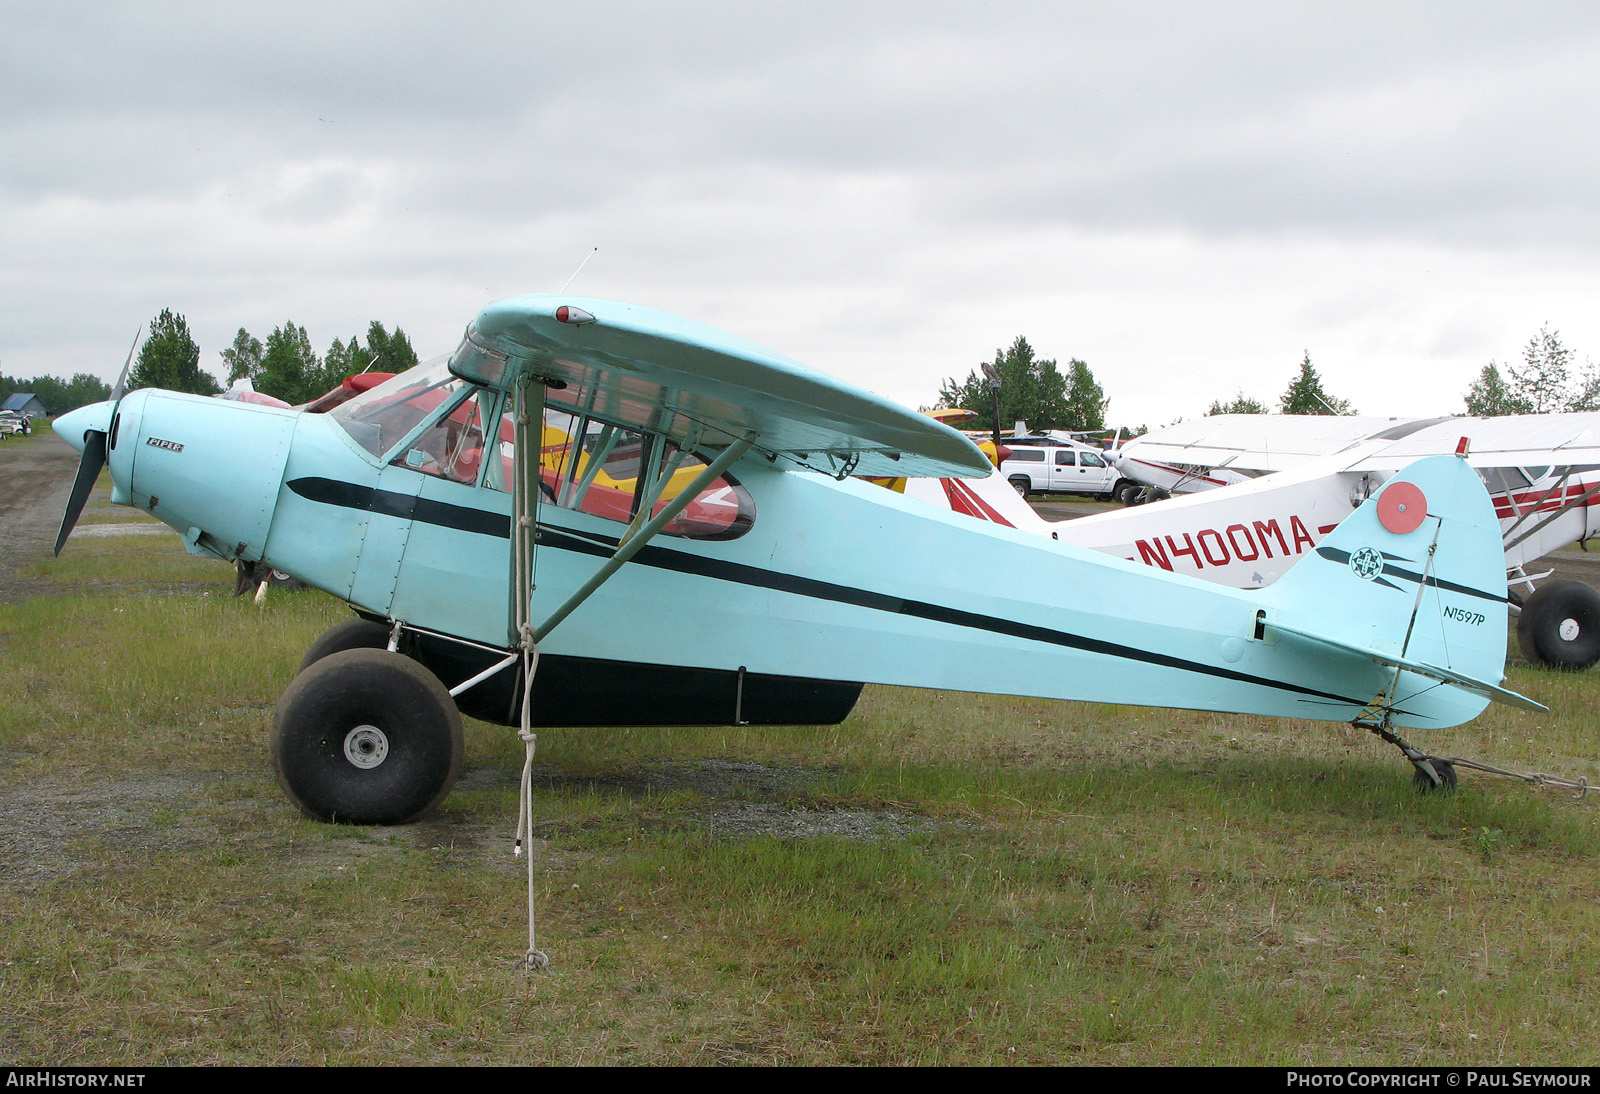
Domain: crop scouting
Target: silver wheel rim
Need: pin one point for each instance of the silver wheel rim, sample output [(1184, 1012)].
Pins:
[(1569, 630), (366, 747)]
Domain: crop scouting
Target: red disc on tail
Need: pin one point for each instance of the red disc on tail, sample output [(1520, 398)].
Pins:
[(1401, 508)]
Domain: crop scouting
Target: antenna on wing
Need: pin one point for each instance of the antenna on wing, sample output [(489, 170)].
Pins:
[(579, 270)]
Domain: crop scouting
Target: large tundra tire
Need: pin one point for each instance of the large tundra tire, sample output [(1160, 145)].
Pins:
[(366, 736)]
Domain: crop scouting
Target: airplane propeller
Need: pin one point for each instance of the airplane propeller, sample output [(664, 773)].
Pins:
[(94, 456)]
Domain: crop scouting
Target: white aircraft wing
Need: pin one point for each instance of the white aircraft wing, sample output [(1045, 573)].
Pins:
[(1515, 440), (1256, 442), (649, 369)]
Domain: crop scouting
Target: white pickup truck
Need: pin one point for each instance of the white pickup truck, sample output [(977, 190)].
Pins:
[(1044, 465)]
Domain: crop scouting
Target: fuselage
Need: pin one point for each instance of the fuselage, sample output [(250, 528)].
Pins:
[(828, 583)]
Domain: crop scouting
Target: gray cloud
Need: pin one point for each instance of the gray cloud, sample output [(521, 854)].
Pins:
[(333, 163)]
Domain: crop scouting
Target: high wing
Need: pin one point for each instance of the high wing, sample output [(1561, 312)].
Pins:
[(1265, 443), (1260, 443), (652, 370), (1515, 440)]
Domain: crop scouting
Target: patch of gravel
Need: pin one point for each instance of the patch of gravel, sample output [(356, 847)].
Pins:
[(106, 531), (745, 819), (46, 824), (730, 784), (38, 474), (54, 826), (714, 779)]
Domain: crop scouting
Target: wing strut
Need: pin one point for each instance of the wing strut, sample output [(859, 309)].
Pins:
[(1580, 500)]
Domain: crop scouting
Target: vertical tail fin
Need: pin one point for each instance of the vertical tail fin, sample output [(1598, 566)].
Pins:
[(1414, 579)]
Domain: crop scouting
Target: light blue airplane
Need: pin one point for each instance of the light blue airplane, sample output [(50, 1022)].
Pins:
[(598, 514)]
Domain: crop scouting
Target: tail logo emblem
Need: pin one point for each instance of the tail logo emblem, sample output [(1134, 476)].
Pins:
[(1366, 563)]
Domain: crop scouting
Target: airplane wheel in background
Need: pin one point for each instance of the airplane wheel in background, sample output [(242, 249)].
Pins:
[(352, 634), (1447, 772), (1021, 485), (1560, 626), (366, 737), (1126, 492)]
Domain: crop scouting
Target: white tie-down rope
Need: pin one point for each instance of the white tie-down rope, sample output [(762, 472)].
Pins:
[(525, 501), (535, 960)]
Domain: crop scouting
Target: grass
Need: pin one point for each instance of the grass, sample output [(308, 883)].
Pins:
[(1046, 883)]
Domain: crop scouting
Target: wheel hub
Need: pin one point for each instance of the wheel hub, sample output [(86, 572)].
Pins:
[(366, 747), (1569, 630)]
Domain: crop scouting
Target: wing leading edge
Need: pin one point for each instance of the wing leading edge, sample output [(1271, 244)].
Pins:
[(653, 370)]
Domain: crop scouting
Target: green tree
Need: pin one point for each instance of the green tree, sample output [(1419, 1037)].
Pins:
[(1542, 382), (386, 352), (1588, 395), (1240, 404), (290, 368), (1086, 402), (343, 360), (1306, 395), (1031, 390), (170, 359), (1490, 396), (243, 358)]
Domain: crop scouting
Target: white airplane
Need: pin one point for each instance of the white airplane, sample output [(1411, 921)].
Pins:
[(1542, 471), (598, 514)]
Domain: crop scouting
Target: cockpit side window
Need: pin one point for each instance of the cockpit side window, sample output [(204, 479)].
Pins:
[(451, 445), (601, 468)]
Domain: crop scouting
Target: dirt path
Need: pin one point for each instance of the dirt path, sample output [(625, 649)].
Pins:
[(35, 477)]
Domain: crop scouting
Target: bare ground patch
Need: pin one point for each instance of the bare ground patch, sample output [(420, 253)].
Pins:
[(37, 473)]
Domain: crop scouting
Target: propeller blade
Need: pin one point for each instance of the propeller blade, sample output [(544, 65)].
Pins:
[(122, 381), (94, 458)]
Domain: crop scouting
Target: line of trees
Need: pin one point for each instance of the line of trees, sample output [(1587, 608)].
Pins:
[(57, 394), (1035, 390), (1542, 383), (1305, 395), (283, 366), (1032, 389)]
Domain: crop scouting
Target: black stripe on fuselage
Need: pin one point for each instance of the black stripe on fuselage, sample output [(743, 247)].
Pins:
[(1333, 554), (467, 519), (392, 503)]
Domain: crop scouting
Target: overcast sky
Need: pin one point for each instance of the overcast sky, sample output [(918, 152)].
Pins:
[(1186, 196)]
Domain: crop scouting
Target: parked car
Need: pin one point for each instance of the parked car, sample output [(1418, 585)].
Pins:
[(1044, 465)]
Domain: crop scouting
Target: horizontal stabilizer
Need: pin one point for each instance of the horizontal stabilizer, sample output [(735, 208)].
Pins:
[(1433, 672)]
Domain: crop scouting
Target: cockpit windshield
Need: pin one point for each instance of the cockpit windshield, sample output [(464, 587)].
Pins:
[(380, 418)]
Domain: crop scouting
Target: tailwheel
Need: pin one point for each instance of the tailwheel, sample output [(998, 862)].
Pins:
[(1444, 773), (1430, 772), (365, 736)]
